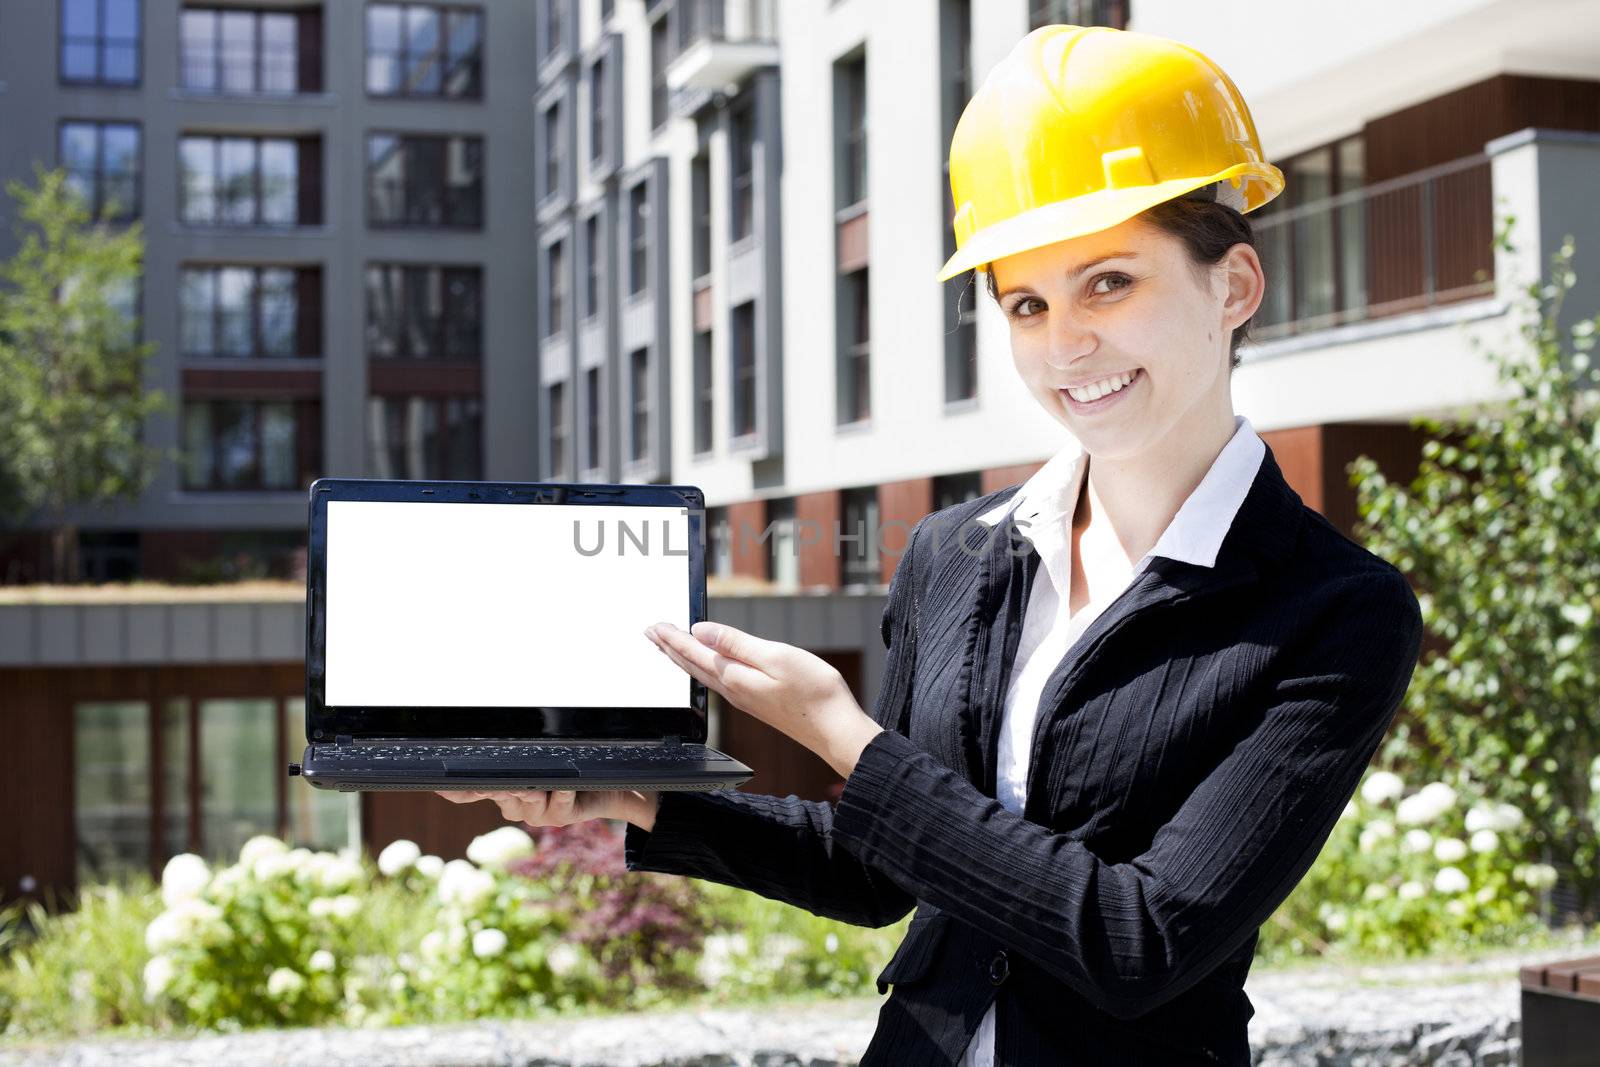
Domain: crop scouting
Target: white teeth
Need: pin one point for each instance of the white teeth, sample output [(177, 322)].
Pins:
[(1099, 389)]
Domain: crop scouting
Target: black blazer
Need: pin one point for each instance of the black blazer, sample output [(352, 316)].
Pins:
[(1203, 736)]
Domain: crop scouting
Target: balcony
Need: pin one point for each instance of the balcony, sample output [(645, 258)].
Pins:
[(721, 43), (1411, 243)]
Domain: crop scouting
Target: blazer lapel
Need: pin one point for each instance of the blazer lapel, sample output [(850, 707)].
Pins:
[(1262, 534)]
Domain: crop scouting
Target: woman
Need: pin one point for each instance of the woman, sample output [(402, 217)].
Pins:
[(1124, 702)]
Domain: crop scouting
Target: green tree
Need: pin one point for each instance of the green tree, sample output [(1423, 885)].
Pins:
[(74, 404), (1498, 534)]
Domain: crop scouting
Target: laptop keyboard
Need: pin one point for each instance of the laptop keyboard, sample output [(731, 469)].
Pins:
[(409, 753)]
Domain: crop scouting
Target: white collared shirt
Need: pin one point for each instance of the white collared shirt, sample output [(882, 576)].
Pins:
[(1045, 505)]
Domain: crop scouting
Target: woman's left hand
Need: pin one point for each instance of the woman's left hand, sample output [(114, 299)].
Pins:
[(788, 688)]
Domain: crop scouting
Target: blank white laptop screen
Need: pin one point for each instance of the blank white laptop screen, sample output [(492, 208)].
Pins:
[(503, 605)]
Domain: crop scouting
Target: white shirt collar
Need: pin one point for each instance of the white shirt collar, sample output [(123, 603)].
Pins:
[(1047, 499)]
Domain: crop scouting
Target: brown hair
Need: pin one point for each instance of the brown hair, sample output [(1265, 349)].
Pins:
[(1206, 228)]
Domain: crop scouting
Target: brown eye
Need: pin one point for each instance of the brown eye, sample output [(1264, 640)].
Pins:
[(1112, 274), (1016, 309)]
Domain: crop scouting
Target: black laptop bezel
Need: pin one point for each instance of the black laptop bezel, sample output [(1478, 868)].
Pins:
[(324, 724)]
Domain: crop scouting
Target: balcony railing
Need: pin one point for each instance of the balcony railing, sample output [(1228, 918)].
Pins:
[(1412, 242)]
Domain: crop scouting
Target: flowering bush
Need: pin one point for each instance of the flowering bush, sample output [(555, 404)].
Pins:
[(1408, 872)]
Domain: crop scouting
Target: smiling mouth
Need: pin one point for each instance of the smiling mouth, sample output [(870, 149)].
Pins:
[(1104, 398)]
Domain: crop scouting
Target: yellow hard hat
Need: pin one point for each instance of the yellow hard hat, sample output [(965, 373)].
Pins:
[(1082, 127)]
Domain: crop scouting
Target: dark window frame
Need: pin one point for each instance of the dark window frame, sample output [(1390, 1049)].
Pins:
[(742, 172), (97, 202), (639, 239), (300, 272), (704, 395), (594, 265), (475, 61), (407, 142), (639, 404), (443, 452), (451, 321), (258, 191), (100, 41), (557, 297), (307, 434), (258, 53), (558, 430), (742, 391), (594, 415), (850, 140), (1113, 13)]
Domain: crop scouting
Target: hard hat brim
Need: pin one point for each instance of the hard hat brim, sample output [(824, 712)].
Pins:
[(1093, 212)]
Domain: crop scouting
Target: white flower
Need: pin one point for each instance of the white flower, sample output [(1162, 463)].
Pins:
[(1480, 817), (500, 847), (1411, 890), (1349, 811), (1336, 921), (1484, 895), (321, 960), (1376, 891), (562, 958), (1451, 880), (488, 942), (345, 906), (779, 947), (1449, 849), (433, 945), (430, 865), (1536, 875), (716, 957), (184, 876), (1425, 805), (1382, 787), (162, 933), (158, 975), (831, 942), (188, 921), (1456, 906), (1375, 831), (337, 872), (397, 982), (397, 856), (463, 884), (1484, 840), (1507, 817), (261, 845), (1417, 840), (284, 981), (269, 865)]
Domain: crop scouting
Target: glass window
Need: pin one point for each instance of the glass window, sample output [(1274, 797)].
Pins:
[(424, 50), (741, 147), (240, 181), (744, 369), (597, 109), (239, 790), (247, 312), (851, 83), (111, 770), (433, 436), (858, 536), (639, 398), (1113, 13), (425, 181), (855, 379), (250, 444), (102, 161), (320, 819), (592, 250), (660, 56), (700, 197), (591, 390), (424, 312), (555, 149), (555, 321), (638, 238), (100, 42), (557, 420), (702, 391)]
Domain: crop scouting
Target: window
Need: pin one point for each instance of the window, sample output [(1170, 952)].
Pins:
[(599, 102), (660, 56), (855, 379), (250, 312), (591, 394), (555, 150), (555, 321), (744, 369), (420, 180), (432, 436), (111, 768), (555, 26), (100, 42), (424, 312), (248, 181), (851, 84), (606, 8), (694, 22), (638, 238), (783, 562), (960, 322), (952, 489), (250, 444), (425, 50), (639, 397), (700, 195), (591, 277), (102, 163), (1113, 13), (556, 419), (318, 818), (858, 536), (702, 391), (240, 798), (741, 148), (236, 50)]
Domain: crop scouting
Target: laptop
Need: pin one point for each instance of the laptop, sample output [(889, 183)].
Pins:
[(490, 635)]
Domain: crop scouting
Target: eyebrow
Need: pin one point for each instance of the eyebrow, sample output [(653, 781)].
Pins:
[(1076, 271)]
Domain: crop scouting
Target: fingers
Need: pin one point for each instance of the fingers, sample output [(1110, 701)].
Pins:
[(538, 807), (715, 667), (460, 796)]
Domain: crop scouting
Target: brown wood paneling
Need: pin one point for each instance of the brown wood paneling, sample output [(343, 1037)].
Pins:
[(1298, 452), (817, 519), (705, 309), (437, 825), (899, 503), (254, 380), (407, 376), (853, 250), (36, 792), (750, 555)]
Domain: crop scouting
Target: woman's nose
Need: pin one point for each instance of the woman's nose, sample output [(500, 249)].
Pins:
[(1067, 344)]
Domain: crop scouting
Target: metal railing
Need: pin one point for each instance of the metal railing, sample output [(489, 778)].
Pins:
[(1416, 241)]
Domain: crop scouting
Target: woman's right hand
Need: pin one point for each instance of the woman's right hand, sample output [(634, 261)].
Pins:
[(563, 807)]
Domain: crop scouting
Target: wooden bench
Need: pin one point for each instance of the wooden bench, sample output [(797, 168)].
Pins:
[(1561, 1013)]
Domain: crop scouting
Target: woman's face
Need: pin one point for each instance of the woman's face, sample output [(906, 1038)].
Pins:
[(1127, 299)]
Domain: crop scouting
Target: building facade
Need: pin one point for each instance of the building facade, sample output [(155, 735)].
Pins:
[(695, 241)]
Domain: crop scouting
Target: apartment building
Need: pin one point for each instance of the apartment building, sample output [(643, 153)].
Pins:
[(708, 256)]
